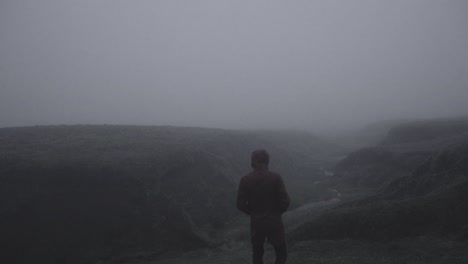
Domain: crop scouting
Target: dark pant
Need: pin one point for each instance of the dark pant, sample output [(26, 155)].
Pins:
[(270, 228)]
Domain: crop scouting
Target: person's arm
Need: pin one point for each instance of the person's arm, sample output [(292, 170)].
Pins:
[(283, 196), (242, 198)]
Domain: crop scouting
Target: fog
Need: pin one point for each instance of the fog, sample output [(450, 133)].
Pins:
[(232, 64)]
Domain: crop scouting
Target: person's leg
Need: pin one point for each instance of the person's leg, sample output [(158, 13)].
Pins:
[(281, 253), (277, 239), (257, 256), (257, 237)]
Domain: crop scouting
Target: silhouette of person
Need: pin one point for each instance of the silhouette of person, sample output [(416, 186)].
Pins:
[(262, 195)]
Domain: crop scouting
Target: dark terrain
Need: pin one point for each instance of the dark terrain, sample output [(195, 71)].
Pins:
[(413, 189), (81, 194), (133, 194)]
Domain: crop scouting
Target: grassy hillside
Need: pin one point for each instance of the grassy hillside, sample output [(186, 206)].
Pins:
[(76, 194), (399, 202), (81, 194), (415, 190), (405, 148)]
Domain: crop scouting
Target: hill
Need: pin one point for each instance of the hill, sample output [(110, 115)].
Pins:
[(438, 130), (78, 194), (370, 169), (411, 187), (398, 202)]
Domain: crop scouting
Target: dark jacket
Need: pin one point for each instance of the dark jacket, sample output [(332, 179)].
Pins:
[(262, 193)]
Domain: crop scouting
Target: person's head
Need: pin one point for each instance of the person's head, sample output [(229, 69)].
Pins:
[(260, 159)]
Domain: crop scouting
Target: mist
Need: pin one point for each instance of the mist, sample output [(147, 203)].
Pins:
[(319, 65)]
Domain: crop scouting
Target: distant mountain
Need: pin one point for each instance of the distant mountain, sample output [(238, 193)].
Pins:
[(439, 131), (77, 194), (366, 136)]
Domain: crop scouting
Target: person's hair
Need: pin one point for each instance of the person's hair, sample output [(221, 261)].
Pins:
[(260, 156)]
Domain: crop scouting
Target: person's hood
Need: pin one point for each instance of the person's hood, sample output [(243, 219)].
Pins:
[(260, 158)]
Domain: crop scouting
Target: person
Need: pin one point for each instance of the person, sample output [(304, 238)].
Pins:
[(262, 195)]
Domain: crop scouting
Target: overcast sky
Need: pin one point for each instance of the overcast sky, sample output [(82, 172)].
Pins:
[(232, 64)]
